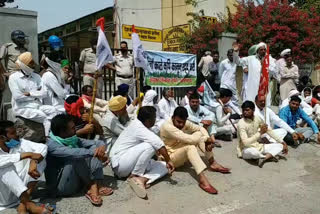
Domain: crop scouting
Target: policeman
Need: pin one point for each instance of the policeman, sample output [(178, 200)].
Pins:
[(9, 53)]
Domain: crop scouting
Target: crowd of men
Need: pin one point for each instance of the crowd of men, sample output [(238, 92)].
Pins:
[(145, 138)]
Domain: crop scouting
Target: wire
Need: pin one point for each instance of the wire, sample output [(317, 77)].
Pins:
[(159, 8)]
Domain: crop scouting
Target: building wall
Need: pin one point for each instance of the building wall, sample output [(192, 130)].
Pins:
[(143, 17), (16, 19)]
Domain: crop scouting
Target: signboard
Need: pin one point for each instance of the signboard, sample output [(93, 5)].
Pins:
[(209, 19), (145, 34), (172, 36), (171, 69)]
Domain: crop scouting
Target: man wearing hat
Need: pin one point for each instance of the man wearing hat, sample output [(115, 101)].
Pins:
[(27, 93), (115, 120), (288, 74), (253, 64), (9, 53)]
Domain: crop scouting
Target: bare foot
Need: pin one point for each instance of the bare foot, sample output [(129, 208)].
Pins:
[(22, 209), (33, 208)]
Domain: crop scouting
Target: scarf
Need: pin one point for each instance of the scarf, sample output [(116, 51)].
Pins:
[(74, 108), (87, 98), (71, 142)]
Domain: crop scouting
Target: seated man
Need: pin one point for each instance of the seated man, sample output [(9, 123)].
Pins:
[(21, 167), (291, 114), (249, 134), (100, 106), (182, 138), (28, 91), (201, 116), (131, 155), (167, 104), (305, 106), (74, 163), (74, 106), (223, 112), (272, 119), (115, 120), (185, 100)]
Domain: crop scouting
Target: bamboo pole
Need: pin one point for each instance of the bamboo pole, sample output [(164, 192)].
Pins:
[(93, 100), (138, 86)]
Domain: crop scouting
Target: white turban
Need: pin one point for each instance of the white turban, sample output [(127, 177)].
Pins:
[(285, 52), (293, 93), (260, 45), (148, 98)]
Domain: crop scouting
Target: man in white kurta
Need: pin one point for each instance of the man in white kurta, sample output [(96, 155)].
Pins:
[(271, 119), (227, 71), (167, 104), (131, 155), (254, 65), (27, 93), (204, 64), (54, 85), (21, 163)]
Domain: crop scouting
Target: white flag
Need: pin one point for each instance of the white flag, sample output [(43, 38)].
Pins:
[(140, 59), (104, 54)]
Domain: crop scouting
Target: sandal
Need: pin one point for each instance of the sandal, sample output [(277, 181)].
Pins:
[(94, 199), (209, 189), (47, 208), (222, 170), (105, 191), (137, 187)]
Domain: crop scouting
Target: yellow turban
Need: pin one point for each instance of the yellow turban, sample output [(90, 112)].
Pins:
[(117, 103), (25, 58)]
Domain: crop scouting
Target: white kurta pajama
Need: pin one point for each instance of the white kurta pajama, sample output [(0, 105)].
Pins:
[(274, 120), (227, 71), (14, 175), (30, 107), (167, 107), (133, 152)]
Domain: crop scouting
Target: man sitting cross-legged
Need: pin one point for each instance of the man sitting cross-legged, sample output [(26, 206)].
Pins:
[(249, 133), (74, 163), (182, 138), (131, 155), (21, 167), (200, 115)]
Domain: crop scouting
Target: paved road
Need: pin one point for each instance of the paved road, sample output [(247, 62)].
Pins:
[(289, 186)]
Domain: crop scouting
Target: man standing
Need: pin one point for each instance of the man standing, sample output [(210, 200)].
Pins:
[(88, 67), (167, 104), (292, 113), (273, 120), (201, 116), (132, 153), (27, 92), (9, 53), (22, 164), (227, 71), (74, 163), (289, 74), (182, 138), (214, 79), (254, 64), (204, 64), (249, 146), (124, 68)]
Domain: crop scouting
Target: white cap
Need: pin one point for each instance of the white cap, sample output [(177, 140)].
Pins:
[(285, 52)]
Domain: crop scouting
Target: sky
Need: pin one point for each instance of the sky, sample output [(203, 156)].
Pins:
[(52, 13)]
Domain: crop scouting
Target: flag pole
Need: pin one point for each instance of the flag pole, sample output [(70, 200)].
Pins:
[(138, 86), (93, 100)]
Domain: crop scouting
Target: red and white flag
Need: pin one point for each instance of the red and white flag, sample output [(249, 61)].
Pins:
[(104, 54), (264, 78), (140, 59)]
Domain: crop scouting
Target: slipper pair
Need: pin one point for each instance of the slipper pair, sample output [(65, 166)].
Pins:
[(137, 187)]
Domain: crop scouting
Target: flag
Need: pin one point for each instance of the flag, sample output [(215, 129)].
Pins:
[(140, 59), (264, 77), (104, 54)]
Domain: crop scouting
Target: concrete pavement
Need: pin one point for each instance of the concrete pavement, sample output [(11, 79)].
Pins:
[(289, 186)]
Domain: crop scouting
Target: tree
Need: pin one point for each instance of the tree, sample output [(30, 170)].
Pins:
[(3, 2), (306, 4)]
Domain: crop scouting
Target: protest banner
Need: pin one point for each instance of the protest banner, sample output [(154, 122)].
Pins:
[(171, 69)]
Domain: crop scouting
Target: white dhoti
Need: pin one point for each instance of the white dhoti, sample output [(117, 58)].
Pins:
[(253, 153), (13, 183), (137, 160), (43, 114)]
